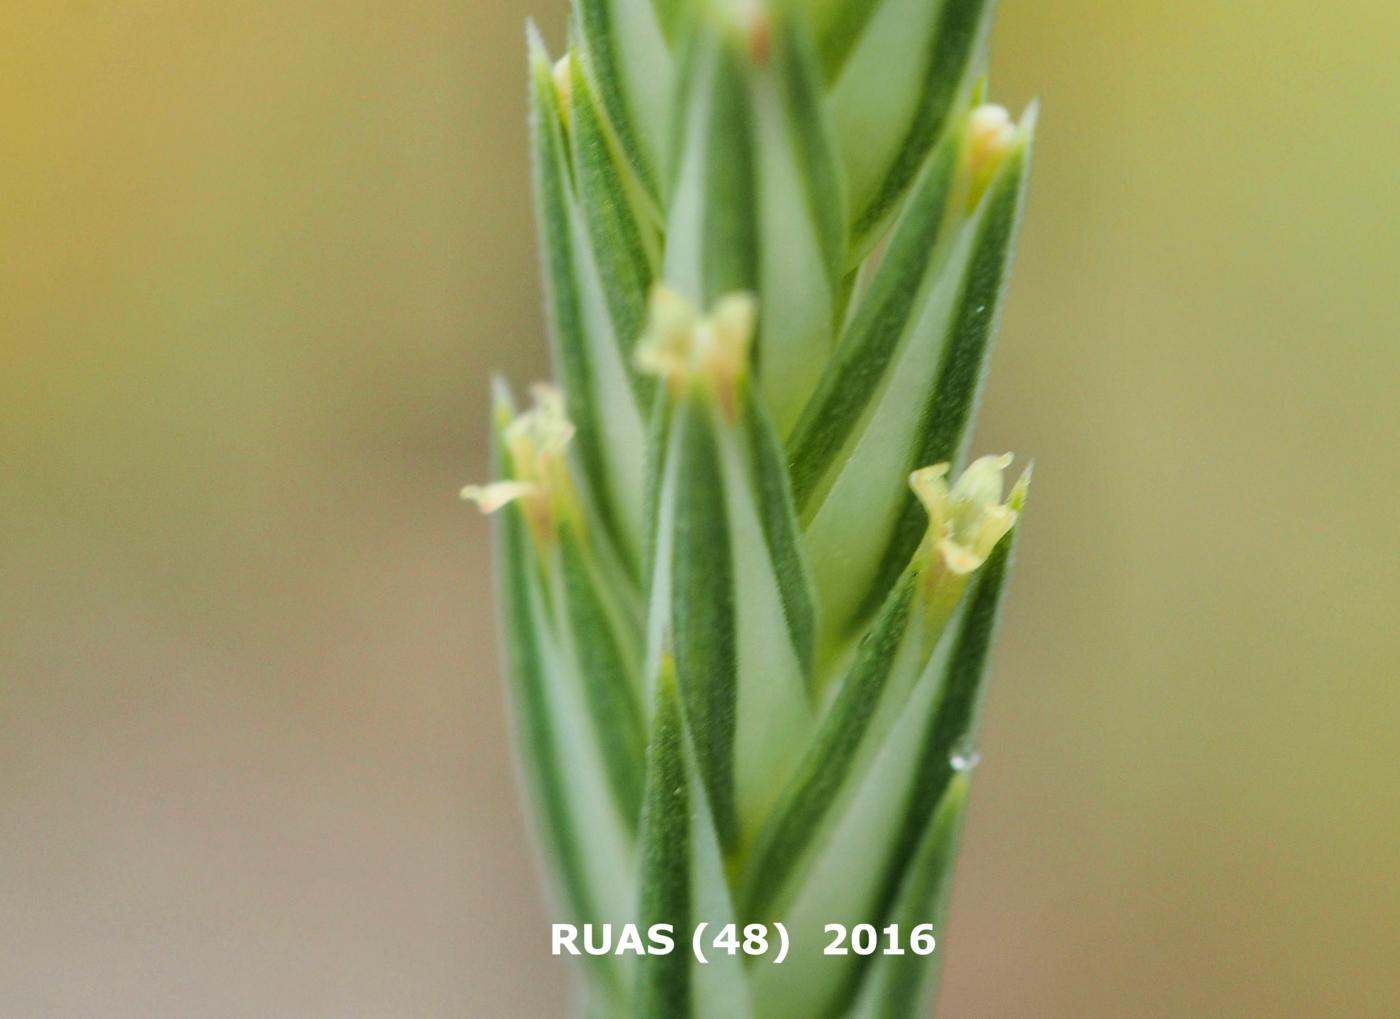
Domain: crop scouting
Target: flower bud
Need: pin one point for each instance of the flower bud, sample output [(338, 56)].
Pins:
[(682, 346), (991, 135), (539, 480), (965, 524)]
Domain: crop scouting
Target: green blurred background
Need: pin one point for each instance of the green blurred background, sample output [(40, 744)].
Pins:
[(256, 261)]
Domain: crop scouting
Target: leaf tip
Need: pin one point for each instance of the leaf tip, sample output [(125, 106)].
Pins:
[(502, 403), (683, 346), (1017, 499), (534, 40), (1029, 117)]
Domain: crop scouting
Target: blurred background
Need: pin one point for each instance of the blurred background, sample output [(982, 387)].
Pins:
[(256, 261)]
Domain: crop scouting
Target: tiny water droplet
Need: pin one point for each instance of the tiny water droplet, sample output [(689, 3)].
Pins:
[(964, 756)]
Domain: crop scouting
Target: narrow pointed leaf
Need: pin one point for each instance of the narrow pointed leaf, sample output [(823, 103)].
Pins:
[(566, 320), (550, 774), (905, 986), (801, 221), (663, 984), (626, 45), (916, 370), (703, 623), (712, 235), (947, 414), (614, 230), (861, 365), (758, 204), (602, 645), (864, 850), (831, 761), (525, 666), (950, 730), (740, 610), (768, 482), (888, 123), (683, 882), (838, 872), (593, 369), (953, 726), (774, 619)]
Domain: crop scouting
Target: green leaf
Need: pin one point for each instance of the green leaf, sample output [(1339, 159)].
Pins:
[(682, 877), (862, 363), (774, 619), (702, 609), (525, 667), (663, 981), (953, 726), (839, 25), (901, 395), (863, 849), (554, 214), (948, 413), (592, 365), (830, 762), (614, 230), (888, 123), (768, 481), (905, 986), (758, 201), (712, 233), (739, 610), (602, 644), (950, 729), (550, 775), (801, 221), (626, 45), (837, 875)]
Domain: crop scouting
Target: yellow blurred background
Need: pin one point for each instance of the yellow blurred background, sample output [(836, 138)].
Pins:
[(256, 261)]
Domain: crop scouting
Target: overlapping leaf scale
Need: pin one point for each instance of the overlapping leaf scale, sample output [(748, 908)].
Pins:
[(627, 43), (902, 389), (870, 699), (624, 247), (595, 264), (757, 203), (887, 123), (854, 816), (918, 872), (862, 852), (682, 877), (905, 987), (712, 221), (577, 725), (731, 598), (802, 226), (602, 646)]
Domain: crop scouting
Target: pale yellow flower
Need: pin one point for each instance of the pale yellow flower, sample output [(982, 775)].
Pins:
[(966, 521)]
